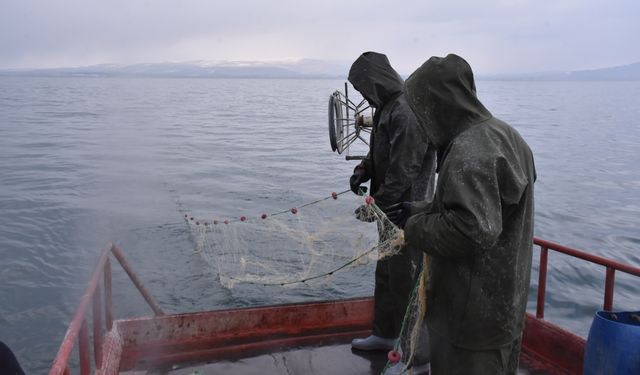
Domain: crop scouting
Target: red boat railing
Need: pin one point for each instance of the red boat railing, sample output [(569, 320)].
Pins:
[(611, 268), (547, 346), (79, 328)]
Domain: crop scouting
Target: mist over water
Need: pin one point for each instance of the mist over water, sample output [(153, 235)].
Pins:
[(84, 161)]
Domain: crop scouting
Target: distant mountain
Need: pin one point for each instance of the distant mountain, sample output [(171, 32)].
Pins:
[(629, 72), (306, 68)]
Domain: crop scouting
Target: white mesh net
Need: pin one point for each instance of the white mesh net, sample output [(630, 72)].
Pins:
[(298, 245), (308, 244)]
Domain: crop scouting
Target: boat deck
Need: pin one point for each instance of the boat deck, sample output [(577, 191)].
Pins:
[(336, 358), (332, 359), (307, 338)]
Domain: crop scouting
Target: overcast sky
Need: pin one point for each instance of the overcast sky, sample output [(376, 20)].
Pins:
[(495, 36)]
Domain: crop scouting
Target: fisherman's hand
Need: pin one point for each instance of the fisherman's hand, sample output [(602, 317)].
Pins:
[(399, 213), (358, 177), (365, 213)]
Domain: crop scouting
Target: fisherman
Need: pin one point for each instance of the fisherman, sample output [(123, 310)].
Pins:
[(478, 232), (401, 166), (8, 363)]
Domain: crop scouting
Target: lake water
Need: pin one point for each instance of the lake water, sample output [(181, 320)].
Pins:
[(84, 161)]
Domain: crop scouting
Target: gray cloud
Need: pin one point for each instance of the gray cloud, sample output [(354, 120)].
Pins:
[(494, 35)]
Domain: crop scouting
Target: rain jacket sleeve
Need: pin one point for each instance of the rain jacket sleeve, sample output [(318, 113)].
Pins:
[(477, 188), (365, 166), (407, 152)]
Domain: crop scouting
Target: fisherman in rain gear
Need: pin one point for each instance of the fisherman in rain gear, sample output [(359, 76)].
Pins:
[(8, 363), (478, 231), (401, 166)]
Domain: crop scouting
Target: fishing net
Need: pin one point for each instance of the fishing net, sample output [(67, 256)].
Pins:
[(411, 350), (308, 244), (303, 244)]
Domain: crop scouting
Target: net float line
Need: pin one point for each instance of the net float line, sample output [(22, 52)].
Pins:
[(293, 210), (388, 247)]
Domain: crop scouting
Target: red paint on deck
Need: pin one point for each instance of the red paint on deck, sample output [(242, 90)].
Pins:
[(112, 353), (547, 346), (222, 333)]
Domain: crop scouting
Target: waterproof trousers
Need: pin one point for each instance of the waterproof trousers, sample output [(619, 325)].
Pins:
[(447, 359), (393, 283), (394, 280)]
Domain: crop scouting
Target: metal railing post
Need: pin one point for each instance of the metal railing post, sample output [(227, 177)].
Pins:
[(83, 348), (78, 328), (542, 282), (108, 312), (608, 288), (136, 281), (97, 327)]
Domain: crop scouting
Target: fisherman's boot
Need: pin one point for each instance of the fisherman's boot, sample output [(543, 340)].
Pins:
[(373, 342)]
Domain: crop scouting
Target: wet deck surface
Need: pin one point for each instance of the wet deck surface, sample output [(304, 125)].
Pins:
[(337, 359), (334, 359)]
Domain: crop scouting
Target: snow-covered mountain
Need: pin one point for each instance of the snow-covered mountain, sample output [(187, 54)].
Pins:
[(305, 68)]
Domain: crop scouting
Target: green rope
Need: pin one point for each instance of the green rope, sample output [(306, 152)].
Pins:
[(325, 274), (407, 316)]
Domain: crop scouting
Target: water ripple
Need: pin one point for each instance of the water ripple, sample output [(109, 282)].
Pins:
[(84, 161)]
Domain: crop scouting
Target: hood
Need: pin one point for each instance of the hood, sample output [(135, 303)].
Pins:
[(442, 94), (372, 75)]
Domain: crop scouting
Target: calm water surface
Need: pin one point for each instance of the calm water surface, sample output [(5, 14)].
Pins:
[(84, 161)]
